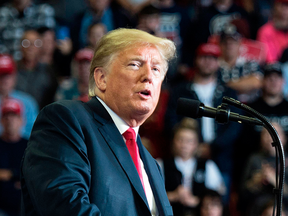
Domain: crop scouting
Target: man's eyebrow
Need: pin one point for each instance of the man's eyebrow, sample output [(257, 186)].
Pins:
[(136, 58), (142, 59)]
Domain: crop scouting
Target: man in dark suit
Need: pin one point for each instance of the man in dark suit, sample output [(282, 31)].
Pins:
[(77, 162)]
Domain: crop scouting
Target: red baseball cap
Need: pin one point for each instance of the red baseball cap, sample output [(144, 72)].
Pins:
[(84, 54), (208, 49), (7, 64), (11, 105)]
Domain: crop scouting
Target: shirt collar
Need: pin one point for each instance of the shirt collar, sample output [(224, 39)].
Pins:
[(121, 125)]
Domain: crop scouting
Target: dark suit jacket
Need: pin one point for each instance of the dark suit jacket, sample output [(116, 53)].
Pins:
[(77, 163)]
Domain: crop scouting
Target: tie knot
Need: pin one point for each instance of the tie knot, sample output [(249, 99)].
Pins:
[(129, 134)]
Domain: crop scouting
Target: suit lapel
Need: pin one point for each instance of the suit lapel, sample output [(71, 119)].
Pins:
[(117, 145), (155, 179)]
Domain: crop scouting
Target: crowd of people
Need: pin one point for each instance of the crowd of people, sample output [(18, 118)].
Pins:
[(234, 48)]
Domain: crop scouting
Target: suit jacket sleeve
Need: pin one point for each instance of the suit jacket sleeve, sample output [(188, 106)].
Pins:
[(55, 169)]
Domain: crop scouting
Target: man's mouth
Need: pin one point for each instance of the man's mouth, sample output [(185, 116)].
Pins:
[(145, 93)]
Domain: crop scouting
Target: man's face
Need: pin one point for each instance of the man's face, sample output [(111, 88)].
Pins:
[(185, 143), (273, 84), (7, 82), (84, 71), (211, 207), (230, 47), (11, 122), (133, 83), (96, 33), (99, 5), (281, 10), (207, 65), (31, 45)]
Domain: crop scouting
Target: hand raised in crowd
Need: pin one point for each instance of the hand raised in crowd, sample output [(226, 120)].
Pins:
[(65, 46), (5, 174)]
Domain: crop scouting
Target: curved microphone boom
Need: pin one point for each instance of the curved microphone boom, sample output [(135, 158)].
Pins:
[(196, 109)]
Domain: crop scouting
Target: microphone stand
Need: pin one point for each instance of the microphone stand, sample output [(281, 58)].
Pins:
[(278, 190)]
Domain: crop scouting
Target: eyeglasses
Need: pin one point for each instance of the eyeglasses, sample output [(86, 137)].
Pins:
[(27, 43)]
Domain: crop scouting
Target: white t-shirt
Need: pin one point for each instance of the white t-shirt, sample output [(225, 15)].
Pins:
[(205, 94)]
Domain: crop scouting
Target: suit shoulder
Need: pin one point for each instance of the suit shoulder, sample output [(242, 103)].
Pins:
[(68, 105), (65, 109)]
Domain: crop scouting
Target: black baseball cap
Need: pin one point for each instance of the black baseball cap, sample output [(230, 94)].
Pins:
[(273, 68)]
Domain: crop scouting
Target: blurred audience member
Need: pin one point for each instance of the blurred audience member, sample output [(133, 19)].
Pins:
[(211, 204), (95, 32), (260, 12), (149, 20), (218, 139), (174, 25), (8, 73), (271, 103), (259, 177), (212, 20), (274, 34), (12, 147), (284, 62), (134, 5), (108, 12), (267, 208), (76, 88), (16, 17), (55, 52), (35, 78), (186, 175), (239, 73)]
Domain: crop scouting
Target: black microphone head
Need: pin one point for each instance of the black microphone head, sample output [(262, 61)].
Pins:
[(188, 107)]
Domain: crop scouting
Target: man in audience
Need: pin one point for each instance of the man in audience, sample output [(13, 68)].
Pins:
[(237, 72), (76, 88), (12, 147), (174, 25), (55, 52), (149, 20), (18, 16), (217, 140), (33, 77), (271, 103), (8, 73), (95, 32), (212, 21)]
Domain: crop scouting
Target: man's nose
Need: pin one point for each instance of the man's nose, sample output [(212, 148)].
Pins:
[(147, 74)]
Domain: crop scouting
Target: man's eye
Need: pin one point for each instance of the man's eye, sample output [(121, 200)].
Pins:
[(133, 65), (156, 69)]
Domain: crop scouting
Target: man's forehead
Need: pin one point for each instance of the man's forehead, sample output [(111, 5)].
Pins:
[(143, 52)]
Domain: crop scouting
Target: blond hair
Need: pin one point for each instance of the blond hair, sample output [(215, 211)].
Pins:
[(120, 39)]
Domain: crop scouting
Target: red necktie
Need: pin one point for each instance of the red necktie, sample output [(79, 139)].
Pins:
[(132, 146)]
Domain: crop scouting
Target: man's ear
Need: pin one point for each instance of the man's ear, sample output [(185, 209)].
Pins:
[(100, 78)]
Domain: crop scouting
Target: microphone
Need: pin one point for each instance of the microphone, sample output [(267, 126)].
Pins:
[(196, 109)]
